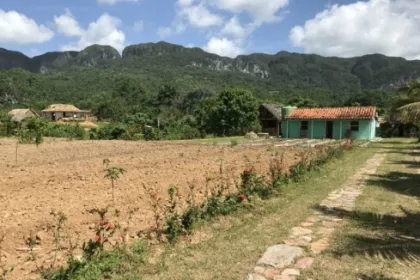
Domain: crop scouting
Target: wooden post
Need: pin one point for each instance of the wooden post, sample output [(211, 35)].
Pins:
[(312, 129), (341, 128)]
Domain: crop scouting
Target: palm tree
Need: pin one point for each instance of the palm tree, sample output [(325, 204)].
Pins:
[(408, 107)]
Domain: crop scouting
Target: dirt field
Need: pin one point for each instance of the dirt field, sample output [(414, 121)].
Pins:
[(68, 176)]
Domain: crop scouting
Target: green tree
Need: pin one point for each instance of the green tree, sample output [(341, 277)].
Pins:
[(408, 107), (36, 129), (193, 99), (167, 95), (7, 125), (231, 112)]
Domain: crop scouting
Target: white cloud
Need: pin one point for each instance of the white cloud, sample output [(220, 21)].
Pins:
[(176, 28), (193, 13), (113, 2), (184, 3), (16, 28), (138, 25), (67, 25), (103, 31), (200, 16), (390, 27), (261, 11), (223, 47), (234, 28), (164, 32)]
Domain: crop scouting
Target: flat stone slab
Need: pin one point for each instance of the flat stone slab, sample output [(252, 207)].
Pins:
[(284, 277), (280, 256), (297, 231), (254, 276), (320, 246), (304, 263), (291, 271), (300, 241)]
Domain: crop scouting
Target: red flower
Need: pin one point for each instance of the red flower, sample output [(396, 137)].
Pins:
[(110, 226), (242, 196), (97, 238), (68, 252), (154, 228)]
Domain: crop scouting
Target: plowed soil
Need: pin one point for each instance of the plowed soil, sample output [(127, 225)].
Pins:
[(68, 176)]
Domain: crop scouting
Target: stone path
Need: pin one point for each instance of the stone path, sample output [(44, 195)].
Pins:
[(313, 236)]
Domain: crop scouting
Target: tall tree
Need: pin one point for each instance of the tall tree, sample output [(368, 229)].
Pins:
[(232, 112), (409, 112), (167, 95)]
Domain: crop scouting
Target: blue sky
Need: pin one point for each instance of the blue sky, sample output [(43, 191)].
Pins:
[(227, 27)]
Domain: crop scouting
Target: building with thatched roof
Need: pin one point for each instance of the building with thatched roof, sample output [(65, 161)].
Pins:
[(18, 115), (270, 116), (65, 112)]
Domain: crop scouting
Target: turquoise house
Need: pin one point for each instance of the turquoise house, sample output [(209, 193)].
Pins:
[(329, 123)]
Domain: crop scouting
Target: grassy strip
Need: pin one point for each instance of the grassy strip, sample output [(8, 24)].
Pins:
[(381, 239), (230, 246)]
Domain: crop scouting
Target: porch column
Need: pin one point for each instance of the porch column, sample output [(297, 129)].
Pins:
[(341, 128), (312, 129)]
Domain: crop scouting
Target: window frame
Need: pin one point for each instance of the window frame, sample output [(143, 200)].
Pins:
[(355, 126)]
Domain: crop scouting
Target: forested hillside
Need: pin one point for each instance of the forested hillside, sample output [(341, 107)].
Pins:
[(85, 77)]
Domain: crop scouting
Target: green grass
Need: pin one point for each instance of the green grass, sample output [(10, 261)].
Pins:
[(381, 239), (229, 247)]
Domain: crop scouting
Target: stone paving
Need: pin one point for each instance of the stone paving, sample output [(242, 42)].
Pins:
[(313, 236)]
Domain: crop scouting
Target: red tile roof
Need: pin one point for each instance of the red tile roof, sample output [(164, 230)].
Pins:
[(341, 113)]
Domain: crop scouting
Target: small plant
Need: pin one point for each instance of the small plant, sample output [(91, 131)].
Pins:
[(181, 155), (173, 219), (59, 222), (104, 230), (112, 174), (234, 143), (156, 203), (221, 160), (192, 214)]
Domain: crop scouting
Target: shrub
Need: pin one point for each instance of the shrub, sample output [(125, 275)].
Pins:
[(151, 133)]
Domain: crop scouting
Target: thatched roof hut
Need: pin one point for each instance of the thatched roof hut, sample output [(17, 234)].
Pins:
[(64, 108), (18, 115)]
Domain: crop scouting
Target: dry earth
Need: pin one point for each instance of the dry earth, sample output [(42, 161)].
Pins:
[(68, 176)]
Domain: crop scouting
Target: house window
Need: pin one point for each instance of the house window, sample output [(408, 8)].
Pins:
[(304, 125), (354, 126)]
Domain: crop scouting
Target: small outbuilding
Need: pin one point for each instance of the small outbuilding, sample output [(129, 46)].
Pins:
[(330, 123), (65, 112), (18, 115), (270, 118)]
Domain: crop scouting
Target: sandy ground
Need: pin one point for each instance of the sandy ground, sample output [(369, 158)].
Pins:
[(68, 176)]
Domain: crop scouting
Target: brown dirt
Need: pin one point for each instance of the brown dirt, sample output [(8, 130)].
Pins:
[(68, 176)]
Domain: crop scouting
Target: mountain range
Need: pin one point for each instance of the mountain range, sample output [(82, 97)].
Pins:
[(269, 75)]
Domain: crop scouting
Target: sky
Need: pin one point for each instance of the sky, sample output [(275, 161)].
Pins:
[(343, 28)]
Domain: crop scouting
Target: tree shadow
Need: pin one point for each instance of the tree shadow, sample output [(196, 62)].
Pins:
[(375, 277), (399, 182), (396, 238), (408, 163)]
